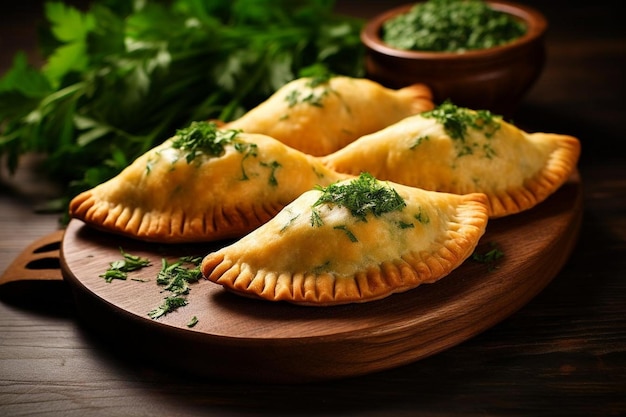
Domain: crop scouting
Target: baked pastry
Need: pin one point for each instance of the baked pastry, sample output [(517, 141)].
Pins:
[(204, 184), (353, 241), (320, 115), (458, 150)]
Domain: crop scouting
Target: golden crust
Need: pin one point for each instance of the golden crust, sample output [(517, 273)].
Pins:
[(515, 169), (289, 259), (161, 197), (345, 108)]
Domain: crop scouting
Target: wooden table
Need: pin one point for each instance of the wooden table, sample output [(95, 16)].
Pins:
[(564, 353)]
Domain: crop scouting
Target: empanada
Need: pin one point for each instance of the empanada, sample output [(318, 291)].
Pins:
[(318, 116), (458, 150), (204, 184), (354, 241)]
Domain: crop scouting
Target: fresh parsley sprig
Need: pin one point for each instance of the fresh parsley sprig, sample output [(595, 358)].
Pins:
[(121, 77)]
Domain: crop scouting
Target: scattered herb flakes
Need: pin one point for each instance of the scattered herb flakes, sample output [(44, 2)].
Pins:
[(273, 166), (360, 196), (119, 269), (348, 233), (320, 88), (175, 277), (456, 121), (196, 260), (192, 322), (170, 304), (490, 257), (419, 141)]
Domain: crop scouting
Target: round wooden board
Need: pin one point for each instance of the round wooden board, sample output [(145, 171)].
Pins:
[(245, 339)]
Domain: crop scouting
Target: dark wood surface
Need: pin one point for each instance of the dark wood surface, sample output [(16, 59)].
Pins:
[(563, 353)]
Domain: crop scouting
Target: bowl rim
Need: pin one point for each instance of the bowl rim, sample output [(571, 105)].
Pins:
[(535, 20)]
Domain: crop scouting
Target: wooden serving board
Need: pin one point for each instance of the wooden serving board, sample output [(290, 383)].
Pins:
[(245, 339)]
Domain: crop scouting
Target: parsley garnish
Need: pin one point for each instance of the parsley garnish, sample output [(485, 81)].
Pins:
[(347, 231), (204, 138), (456, 121), (273, 166), (451, 26), (175, 277), (361, 196), (119, 269), (489, 257), (170, 304), (320, 88), (192, 322)]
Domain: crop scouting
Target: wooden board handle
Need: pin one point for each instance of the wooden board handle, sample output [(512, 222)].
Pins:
[(40, 261)]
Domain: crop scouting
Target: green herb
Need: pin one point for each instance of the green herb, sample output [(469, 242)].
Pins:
[(405, 225), (273, 166), (362, 196), (489, 257), (419, 141), (176, 277), (192, 322), (195, 260), (121, 77), (348, 233), (119, 269), (451, 26), (422, 217), (320, 88), (170, 304), (458, 120), (203, 138)]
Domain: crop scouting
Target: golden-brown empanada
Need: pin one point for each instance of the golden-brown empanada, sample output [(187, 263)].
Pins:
[(458, 150), (204, 184), (353, 241), (318, 116)]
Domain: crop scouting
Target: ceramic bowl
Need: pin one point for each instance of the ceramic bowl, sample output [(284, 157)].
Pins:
[(495, 78)]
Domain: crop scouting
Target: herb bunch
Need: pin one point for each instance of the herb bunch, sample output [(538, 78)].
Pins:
[(124, 75), (362, 196)]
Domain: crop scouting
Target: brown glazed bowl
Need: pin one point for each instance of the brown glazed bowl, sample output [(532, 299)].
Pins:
[(494, 79)]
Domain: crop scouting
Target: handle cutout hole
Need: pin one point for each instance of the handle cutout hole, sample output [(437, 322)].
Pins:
[(44, 263), (48, 247)]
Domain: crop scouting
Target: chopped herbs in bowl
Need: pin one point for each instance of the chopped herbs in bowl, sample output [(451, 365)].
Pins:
[(451, 26), (479, 54)]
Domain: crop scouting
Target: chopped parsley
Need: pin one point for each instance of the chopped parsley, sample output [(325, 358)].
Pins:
[(273, 166), (203, 138), (170, 304), (119, 269), (457, 121), (320, 88), (490, 257), (451, 26), (347, 232), (419, 140), (174, 277), (361, 196)]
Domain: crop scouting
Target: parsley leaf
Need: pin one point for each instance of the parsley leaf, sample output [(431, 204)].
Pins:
[(119, 269)]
